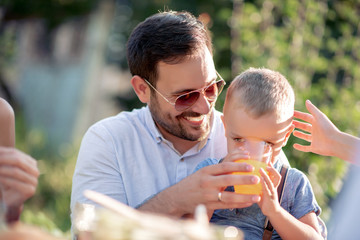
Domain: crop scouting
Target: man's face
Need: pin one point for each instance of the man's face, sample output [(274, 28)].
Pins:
[(240, 126), (193, 73)]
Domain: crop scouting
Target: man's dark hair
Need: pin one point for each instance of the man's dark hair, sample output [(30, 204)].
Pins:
[(167, 36)]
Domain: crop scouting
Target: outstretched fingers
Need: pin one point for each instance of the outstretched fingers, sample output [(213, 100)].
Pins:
[(302, 148), (304, 136), (313, 110), (303, 116), (303, 126)]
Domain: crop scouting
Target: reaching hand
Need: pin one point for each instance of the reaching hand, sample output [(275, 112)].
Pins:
[(321, 131), (324, 137)]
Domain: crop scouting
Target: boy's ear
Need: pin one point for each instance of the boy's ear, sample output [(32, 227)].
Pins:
[(288, 134), (141, 89)]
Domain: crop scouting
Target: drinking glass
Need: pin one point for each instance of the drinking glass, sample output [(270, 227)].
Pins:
[(260, 154)]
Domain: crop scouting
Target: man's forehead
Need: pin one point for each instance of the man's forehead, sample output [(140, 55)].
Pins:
[(193, 69)]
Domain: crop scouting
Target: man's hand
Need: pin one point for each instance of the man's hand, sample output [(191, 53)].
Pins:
[(203, 187)]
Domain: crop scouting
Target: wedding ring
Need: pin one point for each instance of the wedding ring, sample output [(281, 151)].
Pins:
[(219, 196)]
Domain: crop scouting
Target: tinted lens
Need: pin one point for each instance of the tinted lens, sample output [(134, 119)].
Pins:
[(211, 92), (187, 100)]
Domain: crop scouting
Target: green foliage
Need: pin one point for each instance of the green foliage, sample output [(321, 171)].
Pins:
[(49, 207)]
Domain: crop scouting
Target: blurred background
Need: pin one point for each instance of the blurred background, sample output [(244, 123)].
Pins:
[(63, 67)]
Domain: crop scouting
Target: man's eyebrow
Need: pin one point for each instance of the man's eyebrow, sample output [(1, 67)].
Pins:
[(183, 91)]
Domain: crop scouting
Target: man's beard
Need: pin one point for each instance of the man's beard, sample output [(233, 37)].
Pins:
[(175, 127)]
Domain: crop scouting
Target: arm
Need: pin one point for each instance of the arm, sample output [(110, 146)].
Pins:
[(286, 225), (324, 137), (7, 124), (203, 187), (18, 180)]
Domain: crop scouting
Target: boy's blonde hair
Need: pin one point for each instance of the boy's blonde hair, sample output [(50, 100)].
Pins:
[(260, 91)]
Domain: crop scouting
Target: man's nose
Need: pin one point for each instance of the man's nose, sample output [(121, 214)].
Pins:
[(202, 105)]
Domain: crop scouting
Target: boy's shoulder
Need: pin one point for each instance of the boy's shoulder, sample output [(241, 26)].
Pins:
[(295, 177), (207, 162)]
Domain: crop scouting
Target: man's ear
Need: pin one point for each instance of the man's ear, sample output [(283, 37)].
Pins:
[(288, 134), (141, 89)]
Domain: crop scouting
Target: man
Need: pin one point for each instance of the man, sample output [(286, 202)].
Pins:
[(145, 158)]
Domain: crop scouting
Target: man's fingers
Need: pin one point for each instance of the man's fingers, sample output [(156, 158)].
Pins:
[(220, 182), (232, 197), (232, 179), (227, 167), (234, 200), (225, 205)]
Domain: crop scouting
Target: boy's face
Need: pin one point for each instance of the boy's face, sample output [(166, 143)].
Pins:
[(239, 125)]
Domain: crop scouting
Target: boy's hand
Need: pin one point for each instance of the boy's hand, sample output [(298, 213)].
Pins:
[(269, 202)]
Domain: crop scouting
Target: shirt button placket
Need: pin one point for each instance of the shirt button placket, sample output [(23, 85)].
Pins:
[(181, 170)]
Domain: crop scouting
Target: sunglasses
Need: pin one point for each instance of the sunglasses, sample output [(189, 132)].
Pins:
[(185, 101)]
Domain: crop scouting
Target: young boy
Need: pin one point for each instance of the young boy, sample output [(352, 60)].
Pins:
[(259, 105)]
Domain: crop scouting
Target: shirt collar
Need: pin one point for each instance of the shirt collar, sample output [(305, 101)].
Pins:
[(154, 131)]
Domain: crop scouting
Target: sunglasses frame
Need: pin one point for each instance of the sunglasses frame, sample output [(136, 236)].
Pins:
[(201, 90)]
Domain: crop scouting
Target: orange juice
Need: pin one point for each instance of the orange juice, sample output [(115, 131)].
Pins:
[(252, 188)]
